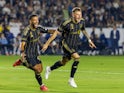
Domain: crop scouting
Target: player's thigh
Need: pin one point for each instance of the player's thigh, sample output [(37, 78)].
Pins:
[(75, 55), (71, 51), (37, 65), (66, 56), (65, 60), (38, 68)]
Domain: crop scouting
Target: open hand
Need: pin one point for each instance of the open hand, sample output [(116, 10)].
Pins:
[(92, 45), (45, 46)]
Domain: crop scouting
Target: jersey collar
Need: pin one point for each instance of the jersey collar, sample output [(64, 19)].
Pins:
[(33, 29)]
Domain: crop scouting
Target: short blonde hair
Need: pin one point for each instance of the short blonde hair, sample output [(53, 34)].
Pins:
[(76, 9)]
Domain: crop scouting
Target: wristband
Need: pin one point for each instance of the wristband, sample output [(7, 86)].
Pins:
[(89, 40)]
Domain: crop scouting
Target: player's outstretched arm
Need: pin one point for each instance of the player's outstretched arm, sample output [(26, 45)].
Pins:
[(91, 44), (53, 36)]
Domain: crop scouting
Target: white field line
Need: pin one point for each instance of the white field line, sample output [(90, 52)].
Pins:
[(88, 71)]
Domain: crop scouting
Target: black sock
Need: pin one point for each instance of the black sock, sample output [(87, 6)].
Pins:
[(56, 65), (24, 64), (39, 78), (74, 68)]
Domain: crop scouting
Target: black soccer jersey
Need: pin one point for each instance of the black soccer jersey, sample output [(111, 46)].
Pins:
[(31, 37), (70, 31)]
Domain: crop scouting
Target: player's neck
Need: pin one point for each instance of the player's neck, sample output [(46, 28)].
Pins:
[(32, 28), (75, 21)]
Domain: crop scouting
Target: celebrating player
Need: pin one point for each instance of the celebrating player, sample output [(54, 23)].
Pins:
[(70, 30), (29, 48)]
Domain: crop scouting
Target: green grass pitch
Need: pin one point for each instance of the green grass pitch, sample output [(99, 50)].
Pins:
[(95, 74)]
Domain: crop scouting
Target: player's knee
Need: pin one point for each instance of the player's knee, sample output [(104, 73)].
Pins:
[(63, 63), (38, 70), (75, 64), (77, 57)]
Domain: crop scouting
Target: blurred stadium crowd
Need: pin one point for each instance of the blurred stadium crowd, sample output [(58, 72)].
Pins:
[(97, 13)]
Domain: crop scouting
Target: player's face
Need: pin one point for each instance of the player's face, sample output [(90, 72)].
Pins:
[(34, 22), (77, 15)]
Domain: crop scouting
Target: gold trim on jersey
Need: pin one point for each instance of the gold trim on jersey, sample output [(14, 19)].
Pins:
[(26, 30), (67, 47), (66, 22), (77, 32), (82, 19), (81, 25), (74, 32), (24, 39), (34, 40), (32, 29), (60, 29)]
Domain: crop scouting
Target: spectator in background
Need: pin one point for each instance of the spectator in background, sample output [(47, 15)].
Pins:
[(10, 39), (17, 44), (114, 38), (84, 44), (123, 47), (94, 37), (103, 45), (4, 45), (103, 39), (2, 3), (5, 30), (6, 9), (98, 13), (1, 27), (6, 18), (101, 13), (93, 34)]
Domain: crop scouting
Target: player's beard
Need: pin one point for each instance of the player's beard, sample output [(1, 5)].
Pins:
[(34, 25), (78, 20)]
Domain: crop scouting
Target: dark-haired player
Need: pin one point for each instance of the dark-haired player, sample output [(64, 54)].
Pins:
[(70, 30), (29, 48)]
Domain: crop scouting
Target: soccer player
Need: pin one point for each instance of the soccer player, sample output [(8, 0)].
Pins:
[(29, 48), (70, 30)]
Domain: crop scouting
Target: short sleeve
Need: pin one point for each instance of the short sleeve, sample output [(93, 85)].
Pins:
[(61, 27), (83, 25), (25, 34), (64, 26)]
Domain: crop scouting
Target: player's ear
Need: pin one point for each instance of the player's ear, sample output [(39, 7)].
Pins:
[(72, 14), (29, 21)]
